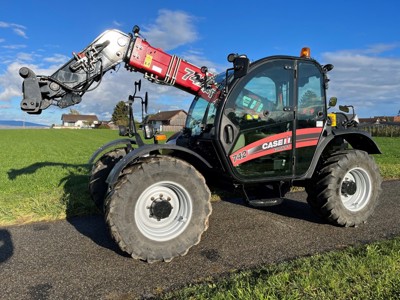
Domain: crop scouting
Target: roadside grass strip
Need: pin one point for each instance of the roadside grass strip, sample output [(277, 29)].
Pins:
[(360, 272)]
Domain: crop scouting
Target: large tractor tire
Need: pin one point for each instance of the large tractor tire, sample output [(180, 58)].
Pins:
[(158, 209), (100, 171), (346, 189)]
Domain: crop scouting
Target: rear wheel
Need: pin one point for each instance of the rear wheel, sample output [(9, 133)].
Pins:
[(100, 171), (346, 189), (158, 209)]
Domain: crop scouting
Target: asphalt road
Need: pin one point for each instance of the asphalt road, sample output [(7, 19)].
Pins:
[(75, 259)]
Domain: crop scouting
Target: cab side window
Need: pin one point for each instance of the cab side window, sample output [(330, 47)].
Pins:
[(311, 100), (262, 96)]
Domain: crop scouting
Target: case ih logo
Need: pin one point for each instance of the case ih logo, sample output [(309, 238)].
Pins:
[(276, 143)]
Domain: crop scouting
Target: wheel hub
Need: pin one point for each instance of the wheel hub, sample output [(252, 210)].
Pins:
[(160, 208), (163, 211), (349, 188)]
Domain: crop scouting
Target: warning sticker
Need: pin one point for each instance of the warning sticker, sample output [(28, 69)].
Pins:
[(148, 60), (157, 69)]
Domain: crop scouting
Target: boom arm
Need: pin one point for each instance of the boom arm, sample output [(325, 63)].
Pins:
[(68, 84)]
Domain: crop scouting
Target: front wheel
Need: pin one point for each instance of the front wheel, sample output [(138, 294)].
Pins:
[(347, 188), (158, 209)]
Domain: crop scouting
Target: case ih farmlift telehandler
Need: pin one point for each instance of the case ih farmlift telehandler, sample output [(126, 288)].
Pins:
[(260, 127)]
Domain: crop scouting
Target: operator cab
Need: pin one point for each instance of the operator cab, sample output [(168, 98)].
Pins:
[(264, 123)]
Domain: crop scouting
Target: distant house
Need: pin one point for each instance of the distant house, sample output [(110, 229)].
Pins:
[(381, 120), (173, 120), (79, 121), (373, 120)]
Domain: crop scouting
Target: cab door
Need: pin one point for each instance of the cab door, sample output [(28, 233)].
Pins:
[(311, 113), (258, 122)]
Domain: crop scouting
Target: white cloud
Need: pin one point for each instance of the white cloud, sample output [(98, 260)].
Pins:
[(117, 24), (14, 47), (197, 58), (57, 59), (370, 83), (381, 48), (18, 29), (10, 83), (24, 57), (20, 32), (171, 30)]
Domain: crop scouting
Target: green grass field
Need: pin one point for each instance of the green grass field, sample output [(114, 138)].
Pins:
[(44, 173), (389, 160)]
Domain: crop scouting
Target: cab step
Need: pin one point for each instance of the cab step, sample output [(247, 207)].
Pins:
[(265, 202)]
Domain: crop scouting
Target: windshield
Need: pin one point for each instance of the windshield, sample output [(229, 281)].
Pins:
[(201, 116), (202, 112), (220, 78)]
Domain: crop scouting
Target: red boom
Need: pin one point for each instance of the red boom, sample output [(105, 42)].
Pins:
[(164, 68)]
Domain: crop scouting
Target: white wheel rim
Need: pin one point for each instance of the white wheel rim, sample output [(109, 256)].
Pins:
[(362, 195), (172, 226)]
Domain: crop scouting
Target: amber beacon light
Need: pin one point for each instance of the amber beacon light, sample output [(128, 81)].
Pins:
[(305, 52)]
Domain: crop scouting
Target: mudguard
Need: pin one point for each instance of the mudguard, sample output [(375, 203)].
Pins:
[(127, 142), (357, 139), (144, 151)]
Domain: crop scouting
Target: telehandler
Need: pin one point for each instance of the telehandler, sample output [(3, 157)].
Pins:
[(260, 127)]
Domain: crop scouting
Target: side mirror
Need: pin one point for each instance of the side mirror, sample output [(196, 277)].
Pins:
[(327, 68), (241, 66), (344, 108), (148, 131), (332, 101), (123, 131), (145, 102)]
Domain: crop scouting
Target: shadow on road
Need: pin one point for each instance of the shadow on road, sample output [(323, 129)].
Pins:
[(290, 208), (6, 246), (296, 210), (95, 229), (77, 201)]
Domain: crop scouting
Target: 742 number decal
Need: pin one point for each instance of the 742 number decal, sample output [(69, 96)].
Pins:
[(239, 156)]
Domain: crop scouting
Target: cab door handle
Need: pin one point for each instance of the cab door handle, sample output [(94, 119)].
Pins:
[(228, 134)]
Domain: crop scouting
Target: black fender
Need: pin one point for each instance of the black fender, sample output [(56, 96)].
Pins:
[(357, 139), (127, 142), (145, 151)]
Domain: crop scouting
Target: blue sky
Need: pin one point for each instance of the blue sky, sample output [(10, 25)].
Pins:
[(360, 38)]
